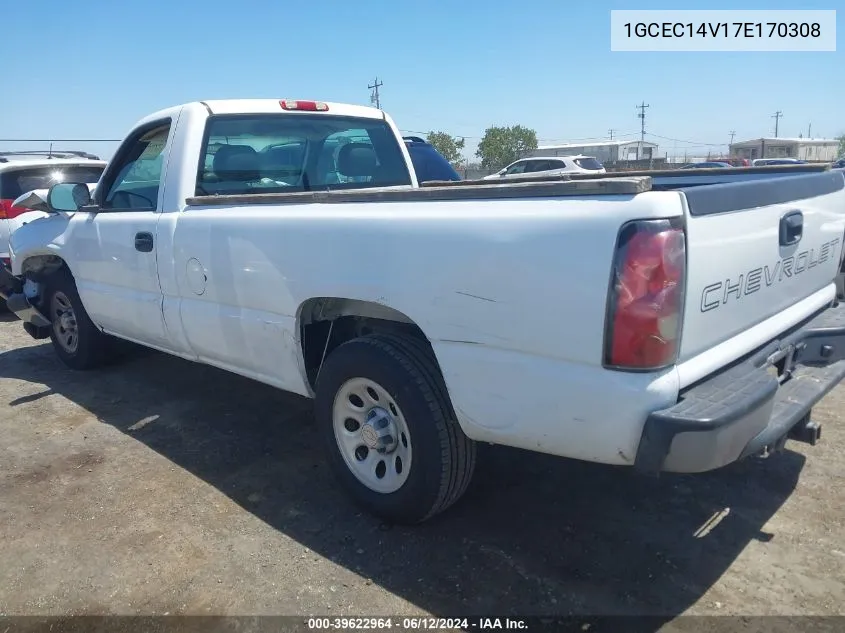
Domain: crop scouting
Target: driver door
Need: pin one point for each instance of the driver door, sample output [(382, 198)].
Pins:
[(115, 262)]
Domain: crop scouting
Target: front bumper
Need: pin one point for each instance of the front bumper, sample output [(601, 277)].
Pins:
[(11, 289), (9, 284), (751, 407)]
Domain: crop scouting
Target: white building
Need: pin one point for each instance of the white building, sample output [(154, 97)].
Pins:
[(604, 151), (812, 149)]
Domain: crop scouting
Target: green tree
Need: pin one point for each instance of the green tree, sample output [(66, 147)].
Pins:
[(449, 146), (500, 145), (841, 140)]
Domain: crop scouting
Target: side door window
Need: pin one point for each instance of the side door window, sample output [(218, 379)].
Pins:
[(132, 182), (538, 165), (516, 168)]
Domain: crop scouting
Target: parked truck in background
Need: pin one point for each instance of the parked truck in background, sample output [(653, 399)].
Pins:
[(631, 320)]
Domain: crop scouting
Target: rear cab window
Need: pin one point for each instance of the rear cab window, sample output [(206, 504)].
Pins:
[(282, 153)]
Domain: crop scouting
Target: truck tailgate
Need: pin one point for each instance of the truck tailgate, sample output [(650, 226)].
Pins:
[(755, 249)]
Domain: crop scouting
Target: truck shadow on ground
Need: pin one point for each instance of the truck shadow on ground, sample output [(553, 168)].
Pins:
[(534, 534)]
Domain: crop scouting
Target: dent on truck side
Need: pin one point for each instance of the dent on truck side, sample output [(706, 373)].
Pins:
[(40, 266), (37, 247)]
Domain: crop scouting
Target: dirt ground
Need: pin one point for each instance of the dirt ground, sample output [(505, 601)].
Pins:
[(160, 486)]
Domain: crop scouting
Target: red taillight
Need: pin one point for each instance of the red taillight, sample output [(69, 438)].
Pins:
[(307, 106), (646, 296), (8, 211)]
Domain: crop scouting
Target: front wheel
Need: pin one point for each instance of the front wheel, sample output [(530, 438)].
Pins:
[(77, 341), (389, 428)]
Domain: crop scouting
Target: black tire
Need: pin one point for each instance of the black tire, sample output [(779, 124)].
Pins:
[(93, 348), (443, 457)]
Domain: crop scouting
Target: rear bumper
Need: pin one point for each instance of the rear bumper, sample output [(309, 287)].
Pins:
[(748, 408)]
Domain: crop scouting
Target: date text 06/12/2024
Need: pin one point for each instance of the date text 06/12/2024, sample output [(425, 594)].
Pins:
[(723, 30)]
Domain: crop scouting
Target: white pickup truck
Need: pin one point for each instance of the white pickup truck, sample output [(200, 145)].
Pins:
[(678, 329)]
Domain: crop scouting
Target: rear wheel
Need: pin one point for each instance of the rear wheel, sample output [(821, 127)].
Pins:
[(77, 341), (389, 429)]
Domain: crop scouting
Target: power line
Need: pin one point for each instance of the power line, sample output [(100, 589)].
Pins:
[(679, 140), (374, 97), (543, 140), (427, 133), (587, 138), (568, 141), (776, 116)]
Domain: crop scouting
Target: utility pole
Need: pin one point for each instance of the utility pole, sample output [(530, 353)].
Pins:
[(810, 131), (611, 131), (374, 97), (641, 115), (776, 116), (732, 133)]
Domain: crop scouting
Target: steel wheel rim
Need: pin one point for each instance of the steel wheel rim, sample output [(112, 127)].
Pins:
[(65, 326), (379, 464)]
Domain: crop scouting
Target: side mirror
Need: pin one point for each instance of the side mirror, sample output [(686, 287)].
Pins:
[(67, 197)]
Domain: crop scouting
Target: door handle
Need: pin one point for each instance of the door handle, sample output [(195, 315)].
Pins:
[(144, 242), (791, 228)]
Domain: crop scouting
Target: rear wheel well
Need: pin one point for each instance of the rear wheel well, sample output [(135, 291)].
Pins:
[(327, 322)]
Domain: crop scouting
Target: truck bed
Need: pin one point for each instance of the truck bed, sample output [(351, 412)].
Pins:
[(666, 178), (767, 170), (441, 191), (772, 183)]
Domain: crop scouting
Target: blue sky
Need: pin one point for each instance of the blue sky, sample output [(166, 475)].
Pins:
[(90, 69)]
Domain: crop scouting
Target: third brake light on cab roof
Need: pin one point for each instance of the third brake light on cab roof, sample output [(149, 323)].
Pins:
[(305, 106)]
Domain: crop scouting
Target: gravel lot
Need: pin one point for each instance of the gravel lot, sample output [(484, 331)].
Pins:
[(161, 486)]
